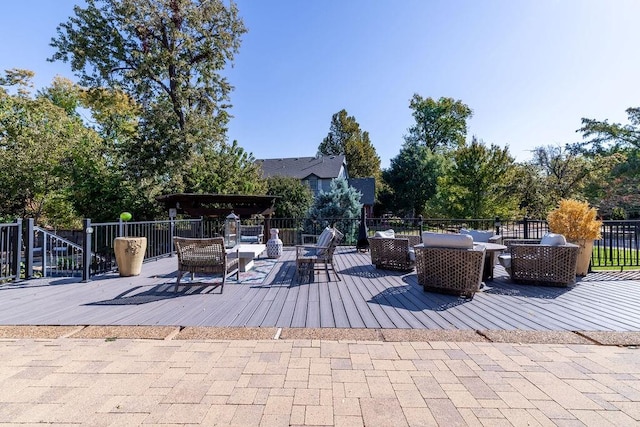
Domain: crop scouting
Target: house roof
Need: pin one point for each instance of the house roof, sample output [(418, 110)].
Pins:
[(302, 167), (366, 186)]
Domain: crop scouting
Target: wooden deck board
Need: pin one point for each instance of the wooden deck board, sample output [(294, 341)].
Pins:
[(365, 298)]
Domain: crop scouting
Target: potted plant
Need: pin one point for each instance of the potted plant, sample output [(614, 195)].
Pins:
[(579, 224), (129, 251)]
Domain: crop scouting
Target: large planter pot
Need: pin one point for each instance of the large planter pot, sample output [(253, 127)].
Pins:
[(584, 256), (129, 254)]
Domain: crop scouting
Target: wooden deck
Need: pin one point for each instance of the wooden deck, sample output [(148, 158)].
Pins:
[(365, 298)]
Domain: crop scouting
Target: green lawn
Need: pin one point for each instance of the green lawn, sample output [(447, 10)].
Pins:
[(615, 259)]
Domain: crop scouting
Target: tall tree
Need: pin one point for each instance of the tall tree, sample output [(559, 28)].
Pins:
[(38, 140), (477, 185), (439, 125), (566, 173), (168, 56), (412, 178), (346, 137), (602, 136)]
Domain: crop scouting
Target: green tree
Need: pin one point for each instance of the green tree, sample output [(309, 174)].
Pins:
[(340, 202), (412, 178), (477, 184), (566, 173), (295, 197), (530, 186), (602, 136), (618, 148), (168, 56), (439, 125), (346, 137), (38, 139), (224, 169)]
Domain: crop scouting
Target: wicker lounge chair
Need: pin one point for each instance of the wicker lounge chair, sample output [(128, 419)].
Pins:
[(206, 256), (311, 258), (528, 261), (393, 253), (443, 267)]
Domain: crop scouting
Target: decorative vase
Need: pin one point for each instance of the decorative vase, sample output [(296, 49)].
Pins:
[(274, 244), (129, 254), (584, 256)]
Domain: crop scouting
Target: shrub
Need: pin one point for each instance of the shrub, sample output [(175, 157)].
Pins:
[(575, 220)]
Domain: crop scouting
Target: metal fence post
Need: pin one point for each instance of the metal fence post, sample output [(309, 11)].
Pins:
[(87, 232), (172, 232), (525, 223), (17, 249), (497, 224), (28, 250)]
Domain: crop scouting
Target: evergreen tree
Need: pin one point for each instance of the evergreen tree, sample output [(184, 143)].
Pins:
[(346, 137), (340, 206)]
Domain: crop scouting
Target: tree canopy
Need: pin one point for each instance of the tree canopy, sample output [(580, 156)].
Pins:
[(413, 178), (476, 185), (168, 57), (346, 137), (439, 125), (295, 197)]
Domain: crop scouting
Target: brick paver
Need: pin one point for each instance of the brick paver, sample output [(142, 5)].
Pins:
[(315, 382)]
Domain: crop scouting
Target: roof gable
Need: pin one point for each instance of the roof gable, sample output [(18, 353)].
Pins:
[(367, 187)]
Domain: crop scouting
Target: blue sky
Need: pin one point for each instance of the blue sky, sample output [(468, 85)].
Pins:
[(529, 69)]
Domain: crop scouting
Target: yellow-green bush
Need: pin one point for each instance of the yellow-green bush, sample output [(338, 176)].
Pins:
[(575, 220)]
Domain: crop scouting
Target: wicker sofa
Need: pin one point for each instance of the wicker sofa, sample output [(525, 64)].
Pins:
[(449, 263), (393, 253), (530, 262)]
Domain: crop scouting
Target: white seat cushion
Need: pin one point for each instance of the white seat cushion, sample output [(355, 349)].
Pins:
[(440, 240), (478, 235), (388, 234), (553, 239)]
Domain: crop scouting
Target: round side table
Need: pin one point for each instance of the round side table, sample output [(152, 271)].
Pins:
[(274, 245)]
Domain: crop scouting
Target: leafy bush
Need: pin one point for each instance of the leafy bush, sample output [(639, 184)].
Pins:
[(575, 220)]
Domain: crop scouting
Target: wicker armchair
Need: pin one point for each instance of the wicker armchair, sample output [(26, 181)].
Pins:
[(206, 256), (393, 253), (527, 261), (450, 270), (311, 258)]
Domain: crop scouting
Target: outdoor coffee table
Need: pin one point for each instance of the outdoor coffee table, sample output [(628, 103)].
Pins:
[(491, 249), (246, 253)]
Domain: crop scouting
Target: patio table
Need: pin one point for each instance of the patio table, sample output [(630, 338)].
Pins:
[(491, 249)]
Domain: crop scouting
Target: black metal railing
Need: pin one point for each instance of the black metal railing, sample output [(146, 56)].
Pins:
[(27, 251)]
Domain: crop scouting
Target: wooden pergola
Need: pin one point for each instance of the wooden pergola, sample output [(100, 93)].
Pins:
[(220, 205)]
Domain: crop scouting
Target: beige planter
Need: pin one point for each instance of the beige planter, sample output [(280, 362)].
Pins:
[(129, 254), (584, 256)]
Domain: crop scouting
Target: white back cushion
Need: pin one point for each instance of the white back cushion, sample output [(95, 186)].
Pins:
[(478, 235), (325, 237), (440, 240), (388, 234), (553, 239)]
